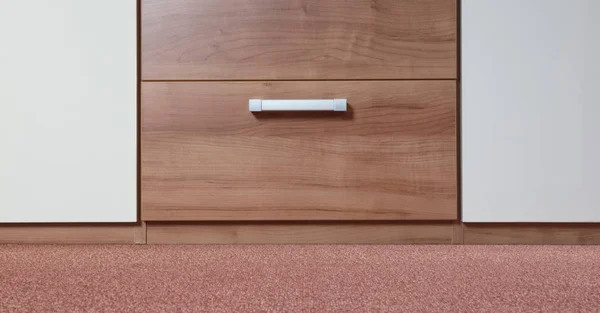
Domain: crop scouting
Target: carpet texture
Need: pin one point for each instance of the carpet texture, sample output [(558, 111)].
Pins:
[(299, 278)]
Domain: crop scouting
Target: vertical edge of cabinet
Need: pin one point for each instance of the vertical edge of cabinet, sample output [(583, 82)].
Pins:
[(138, 126)]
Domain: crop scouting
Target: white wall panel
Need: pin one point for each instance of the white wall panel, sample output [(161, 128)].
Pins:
[(68, 111), (531, 110)]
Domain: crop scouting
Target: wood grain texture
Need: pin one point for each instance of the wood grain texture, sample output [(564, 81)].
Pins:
[(298, 39), (68, 234), (547, 234), (140, 233), (458, 235), (392, 157), (297, 233)]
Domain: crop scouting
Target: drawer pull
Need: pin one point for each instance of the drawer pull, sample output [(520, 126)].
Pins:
[(258, 105)]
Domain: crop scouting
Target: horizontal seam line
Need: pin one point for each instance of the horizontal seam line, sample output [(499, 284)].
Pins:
[(291, 80)]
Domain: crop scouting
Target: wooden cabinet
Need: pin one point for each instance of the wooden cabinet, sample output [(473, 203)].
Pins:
[(298, 39), (392, 156), (383, 171)]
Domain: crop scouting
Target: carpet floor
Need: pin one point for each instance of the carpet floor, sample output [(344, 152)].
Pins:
[(303, 278)]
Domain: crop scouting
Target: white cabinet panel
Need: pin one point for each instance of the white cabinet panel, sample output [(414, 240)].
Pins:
[(68, 111), (531, 110)]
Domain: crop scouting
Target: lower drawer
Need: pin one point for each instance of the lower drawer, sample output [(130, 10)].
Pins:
[(391, 156)]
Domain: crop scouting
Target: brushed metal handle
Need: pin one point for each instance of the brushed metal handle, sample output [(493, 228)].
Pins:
[(258, 105)]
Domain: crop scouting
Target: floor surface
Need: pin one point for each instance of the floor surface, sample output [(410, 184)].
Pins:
[(323, 278)]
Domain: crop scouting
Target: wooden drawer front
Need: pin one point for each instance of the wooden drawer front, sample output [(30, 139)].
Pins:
[(392, 156), (294, 39)]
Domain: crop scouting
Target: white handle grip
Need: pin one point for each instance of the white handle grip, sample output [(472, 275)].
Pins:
[(258, 105)]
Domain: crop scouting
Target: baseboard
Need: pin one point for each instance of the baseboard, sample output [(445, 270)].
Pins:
[(406, 232), (301, 233), (140, 234), (73, 234), (458, 234), (536, 233)]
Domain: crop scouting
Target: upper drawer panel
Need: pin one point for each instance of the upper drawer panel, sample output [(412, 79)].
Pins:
[(296, 39)]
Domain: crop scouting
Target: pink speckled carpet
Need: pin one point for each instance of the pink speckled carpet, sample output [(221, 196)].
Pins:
[(299, 278)]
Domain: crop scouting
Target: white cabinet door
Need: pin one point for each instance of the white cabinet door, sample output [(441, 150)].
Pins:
[(68, 110), (531, 110)]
